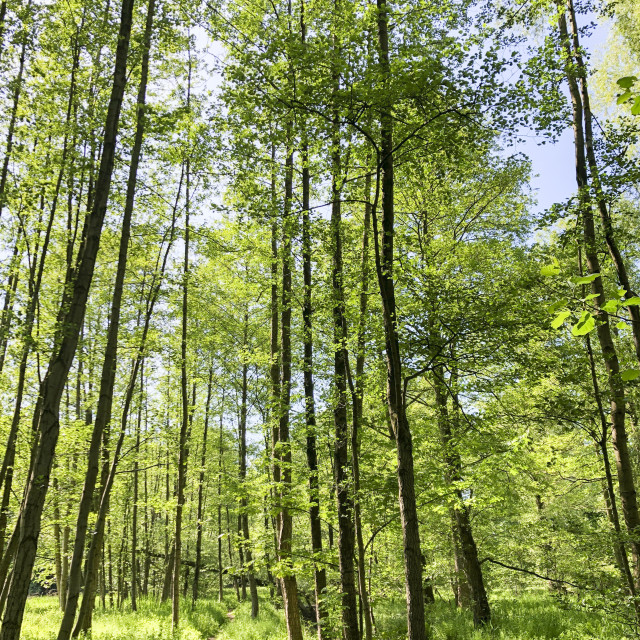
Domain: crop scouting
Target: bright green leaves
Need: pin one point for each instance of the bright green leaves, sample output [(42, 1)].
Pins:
[(627, 83), (559, 320), (550, 270), (586, 323), (586, 279), (611, 306), (629, 374), (558, 305)]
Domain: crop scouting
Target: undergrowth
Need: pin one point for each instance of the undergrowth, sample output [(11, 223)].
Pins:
[(152, 621), (529, 616)]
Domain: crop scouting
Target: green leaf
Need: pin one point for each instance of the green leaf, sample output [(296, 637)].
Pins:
[(591, 296), (550, 270), (627, 82), (632, 302), (587, 279), (585, 324), (624, 97), (621, 325), (557, 305), (620, 293), (630, 374), (558, 321), (611, 306), (635, 109)]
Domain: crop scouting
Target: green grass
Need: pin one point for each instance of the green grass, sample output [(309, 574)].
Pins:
[(151, 622), (269, 625), (529, 616)]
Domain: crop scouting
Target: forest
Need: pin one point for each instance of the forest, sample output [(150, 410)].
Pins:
[(319, 319)]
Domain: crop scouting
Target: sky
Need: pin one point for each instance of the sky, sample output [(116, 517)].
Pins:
[(552, 165)]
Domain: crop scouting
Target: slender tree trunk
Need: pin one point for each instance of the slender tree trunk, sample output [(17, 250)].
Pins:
[(9, 298), (203, 462), (220, 452), (395, 395), (183, 451), (460, 584), (243, 517), (319, 573), (134, 505), (91, 562), (594, 172), (624, 467), (46, 415), (236, 582), (346, 540), (463, 535), (3, 13), (357, 401), (56, 536), (17, 90), (109, 368), (283, 448)]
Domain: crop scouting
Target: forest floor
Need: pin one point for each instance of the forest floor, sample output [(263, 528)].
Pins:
[(529, 616)]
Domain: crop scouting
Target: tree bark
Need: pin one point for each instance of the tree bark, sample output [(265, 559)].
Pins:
[(463, 535), (17, 90), (92, 559), (607, 225), (395, 397), (346, 539), (624, 468), (319, 573), (200, 514), (243, 517), (282, 450), (183, 450), (72, 310), (357, 402), (108, 375)]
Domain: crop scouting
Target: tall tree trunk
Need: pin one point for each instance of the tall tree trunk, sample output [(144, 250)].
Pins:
[(357, 402), (134, 504), (109, 367), (200, 515), (346, 540), (72, 310), (282, 450), (463, 534), (319, 573), (236, 582), (17, 90), (395, 396), (220, 452), (624, 467), (183, 451), (243, 517), (9, 297), (596, 184), (56, 536), (92, 559)]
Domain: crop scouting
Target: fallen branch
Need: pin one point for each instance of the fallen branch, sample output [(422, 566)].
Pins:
[(537, 575)]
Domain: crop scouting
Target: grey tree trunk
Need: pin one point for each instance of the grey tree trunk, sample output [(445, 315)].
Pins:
[(624, 466), (109, 367), (46, 416), (384, 252)]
